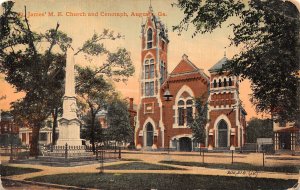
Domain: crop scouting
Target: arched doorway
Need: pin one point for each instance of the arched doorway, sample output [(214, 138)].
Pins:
[(222, 134), (185, 144), (149, 136)]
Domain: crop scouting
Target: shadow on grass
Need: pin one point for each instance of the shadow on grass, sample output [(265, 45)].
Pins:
[(238, 166), (10, 170), (163, 181), (140, 166)]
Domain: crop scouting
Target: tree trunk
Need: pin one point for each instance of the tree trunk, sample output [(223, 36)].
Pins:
[(34, 149), (92, 135), (54, 126)]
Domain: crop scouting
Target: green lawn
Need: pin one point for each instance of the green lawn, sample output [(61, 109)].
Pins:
[(140, 166), (238, 166), (164, 181), (9, 170)]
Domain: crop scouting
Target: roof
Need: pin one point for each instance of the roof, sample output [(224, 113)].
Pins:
[(290, 129), (185, 66), (219, 65)]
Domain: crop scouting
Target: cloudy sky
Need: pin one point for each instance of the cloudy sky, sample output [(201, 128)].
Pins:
[(80, 21)]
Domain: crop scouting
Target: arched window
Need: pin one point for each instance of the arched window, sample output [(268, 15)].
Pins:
[(180, 112), (225, 82), (149, 38), (222, 134), (149, 137), (230, 82), (220, 83), (215, 84), (189, 111)]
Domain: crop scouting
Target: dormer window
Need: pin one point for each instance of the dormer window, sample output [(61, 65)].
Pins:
[(220, 83), (149, 38), (230, 82), (215, 84)]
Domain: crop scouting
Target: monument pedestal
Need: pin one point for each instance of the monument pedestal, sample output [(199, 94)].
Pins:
[(69, 132)]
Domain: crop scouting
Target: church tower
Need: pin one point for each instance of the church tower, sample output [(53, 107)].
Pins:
[(154, 66), (227, 124)]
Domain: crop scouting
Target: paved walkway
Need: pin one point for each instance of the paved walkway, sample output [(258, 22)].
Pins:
[(155, 157)]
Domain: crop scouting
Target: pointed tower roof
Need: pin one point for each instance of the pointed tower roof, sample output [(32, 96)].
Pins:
[(219, 65)]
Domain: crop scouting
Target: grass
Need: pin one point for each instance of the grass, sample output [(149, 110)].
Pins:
[(163, 181), (9, 170), (238, 166), (140, 166)]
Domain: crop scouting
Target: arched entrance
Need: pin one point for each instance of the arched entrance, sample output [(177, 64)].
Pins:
[(185, 144), (149, 136), (222, 134)]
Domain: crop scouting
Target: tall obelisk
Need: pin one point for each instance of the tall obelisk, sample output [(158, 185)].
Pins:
[(69, 124)]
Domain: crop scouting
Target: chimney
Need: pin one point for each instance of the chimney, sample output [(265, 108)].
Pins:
[(131, 104)]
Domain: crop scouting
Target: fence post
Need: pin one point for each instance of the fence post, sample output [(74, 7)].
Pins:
[(66, 151), (97, 149), (263, 158), (203, 157), (231, 156), (119, 152)]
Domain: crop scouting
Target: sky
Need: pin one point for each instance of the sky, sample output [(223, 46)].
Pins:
[(79, 20)]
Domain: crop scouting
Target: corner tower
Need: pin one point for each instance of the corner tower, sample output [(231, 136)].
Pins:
[(154, 66), (227, 116)]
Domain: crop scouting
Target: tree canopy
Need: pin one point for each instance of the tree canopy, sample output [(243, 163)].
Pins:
[(118, 121), (36, 72), (268, 35), (259, 128)]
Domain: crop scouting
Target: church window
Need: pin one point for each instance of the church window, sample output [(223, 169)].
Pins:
[(230, 82), (180, 116), (152, 71), (149, 38), (149, 88), (146, 71), (189, 112), (162, 72), (215, 84), (225, 82), (180, 112), (220, 83), (149, 69)]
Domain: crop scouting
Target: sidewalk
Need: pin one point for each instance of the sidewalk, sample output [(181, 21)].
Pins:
[(155, 157)]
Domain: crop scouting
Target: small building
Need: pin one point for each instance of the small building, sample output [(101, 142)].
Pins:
[(286, 137)]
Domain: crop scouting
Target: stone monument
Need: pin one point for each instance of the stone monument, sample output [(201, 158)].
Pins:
[(69, 124)]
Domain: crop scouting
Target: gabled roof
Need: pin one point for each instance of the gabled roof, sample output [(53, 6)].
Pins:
[(219, 65), (184, 66)]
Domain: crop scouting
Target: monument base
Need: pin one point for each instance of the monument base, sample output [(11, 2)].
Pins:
[(69, 142)]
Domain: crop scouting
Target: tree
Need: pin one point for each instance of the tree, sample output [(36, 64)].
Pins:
[(259, 128), (93, 93), (93, 84), (118, 121), (98, 135), (31, 70), (268, 34), (200, 121)]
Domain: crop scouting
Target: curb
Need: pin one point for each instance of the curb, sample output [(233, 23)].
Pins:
[(47, 184)]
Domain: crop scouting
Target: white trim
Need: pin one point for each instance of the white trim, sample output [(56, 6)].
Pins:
[(144, 131), (183, 89), (225, 118)]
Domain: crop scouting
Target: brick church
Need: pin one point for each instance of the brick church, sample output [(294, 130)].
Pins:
[(164, 124)]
